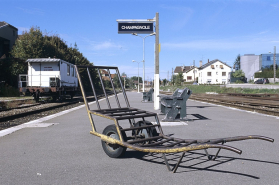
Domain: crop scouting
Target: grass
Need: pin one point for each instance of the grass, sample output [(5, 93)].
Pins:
[(197, 89), (14, 104)]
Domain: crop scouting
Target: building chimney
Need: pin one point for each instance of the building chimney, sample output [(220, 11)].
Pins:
[(200, 63), (208, 60)]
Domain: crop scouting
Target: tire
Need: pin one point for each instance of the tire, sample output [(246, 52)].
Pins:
[(144, 133), (113, 150)]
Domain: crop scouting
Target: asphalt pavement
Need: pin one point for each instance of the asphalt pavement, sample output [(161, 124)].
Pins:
[(60, 150)]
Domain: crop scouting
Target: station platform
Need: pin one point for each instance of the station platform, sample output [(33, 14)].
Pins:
[(59, 149)]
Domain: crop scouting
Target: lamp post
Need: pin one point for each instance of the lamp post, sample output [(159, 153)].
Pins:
[(143, 61), (138, 73)]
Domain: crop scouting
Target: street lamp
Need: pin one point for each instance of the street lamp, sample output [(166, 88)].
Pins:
[(138, 73), (143, 79)]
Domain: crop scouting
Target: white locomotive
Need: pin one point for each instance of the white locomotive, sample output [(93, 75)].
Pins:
[(49, 77)]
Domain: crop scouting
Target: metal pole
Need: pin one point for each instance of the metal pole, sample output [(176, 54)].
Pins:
[(138, 77), (143, 66), (274, 63), (194, 72), (156, 75)]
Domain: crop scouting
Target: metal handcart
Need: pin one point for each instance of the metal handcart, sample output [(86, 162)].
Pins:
[(140, 134)]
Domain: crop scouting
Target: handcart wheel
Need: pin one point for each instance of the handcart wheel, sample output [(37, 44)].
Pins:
[(143, 133), (113, 150)]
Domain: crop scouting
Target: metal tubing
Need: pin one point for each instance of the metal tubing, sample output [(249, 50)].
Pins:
[(142, 127), (173, 144), (158, 143), (216, 154), (189, 143), (240, 138), (176, 166), (135, 116), (116, 110), (166, 161), (116, 97), (123, 90), (101, 80), (158, 123), (85, 100), (143, 140), (99, 67), (130, 113), (93, 89)]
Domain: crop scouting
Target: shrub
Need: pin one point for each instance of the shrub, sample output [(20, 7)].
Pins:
[(239, 82)]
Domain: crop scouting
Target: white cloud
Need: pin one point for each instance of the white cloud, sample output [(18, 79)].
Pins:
[(204, 44), (254, 41), (183, 15), (105, 45), (275, 5), (35, 11), (263, 32)]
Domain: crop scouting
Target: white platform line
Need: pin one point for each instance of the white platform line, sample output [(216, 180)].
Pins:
[(232, 108), (170, 124)]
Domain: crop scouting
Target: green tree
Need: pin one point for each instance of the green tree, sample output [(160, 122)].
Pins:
[(135, 78), (35, 44), (179, 79), (164, 82), (237, 62), (238, 74)]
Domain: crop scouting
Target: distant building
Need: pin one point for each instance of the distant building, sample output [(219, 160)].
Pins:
[(214, 72), (267, 60), (105, 75), (191, 75), (189, 72), (8, 36), (251, 63), (181, 69)]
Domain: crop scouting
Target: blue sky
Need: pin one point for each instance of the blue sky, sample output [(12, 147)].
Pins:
[(189, 30)]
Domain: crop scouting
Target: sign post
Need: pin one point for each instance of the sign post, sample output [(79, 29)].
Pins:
[(145, 26), (156, 75)]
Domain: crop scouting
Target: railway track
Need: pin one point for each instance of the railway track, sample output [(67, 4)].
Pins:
[(261, 103), (19, 115)]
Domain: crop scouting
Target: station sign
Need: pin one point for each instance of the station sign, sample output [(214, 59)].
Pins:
[(135, 27)]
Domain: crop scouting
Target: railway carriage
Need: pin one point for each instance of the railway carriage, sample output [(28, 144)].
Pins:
[(49, 77)]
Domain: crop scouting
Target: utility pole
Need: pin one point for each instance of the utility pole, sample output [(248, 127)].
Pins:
[(156, 75), (194, 71), (274, 63), (171, 75)]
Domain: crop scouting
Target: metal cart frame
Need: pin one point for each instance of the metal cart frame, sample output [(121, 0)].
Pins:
[(153, 140)]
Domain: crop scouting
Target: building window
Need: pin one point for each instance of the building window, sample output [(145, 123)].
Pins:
[(189, 77), (221, 66), (216, 80), (268, 58), (68, 69), (212, 66), (208, 73), (208, 80), (223, 73), (72, 71)]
